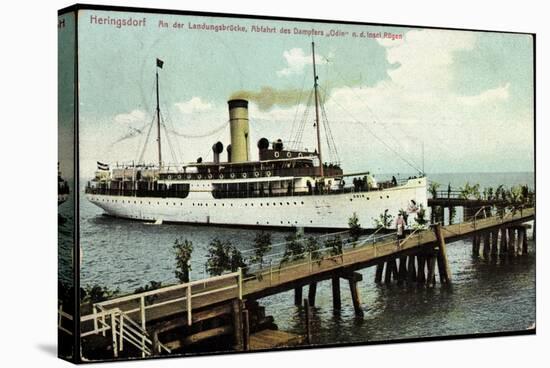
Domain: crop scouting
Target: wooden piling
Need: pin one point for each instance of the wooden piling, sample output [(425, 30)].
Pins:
[(307, 311), (421, 275), (355, 297), (494, 246), (475, 246), (393, 263), (525, 245), (519, 247), (298, 296), (336, 299), (442, 215), (411, 269), (237, 309), (511, 242), (311, 293), (442, 261), (503, 241), (402, 271), (486, 244), (378, 274), (246, 331), (430, 281), (391, 270)]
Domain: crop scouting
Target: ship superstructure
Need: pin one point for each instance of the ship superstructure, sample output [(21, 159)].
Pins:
[(284, 188)]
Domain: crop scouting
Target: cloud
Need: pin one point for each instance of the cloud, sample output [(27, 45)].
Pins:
[(131, 117), (194, 105), (424, 59), (489, 96), (297, 59)]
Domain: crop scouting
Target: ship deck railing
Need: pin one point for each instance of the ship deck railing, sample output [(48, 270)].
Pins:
[(223, 194)]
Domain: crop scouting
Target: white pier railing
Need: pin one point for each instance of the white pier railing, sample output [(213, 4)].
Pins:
[(115, 315)]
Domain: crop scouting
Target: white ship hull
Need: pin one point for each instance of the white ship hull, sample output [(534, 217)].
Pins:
[(308, 211)]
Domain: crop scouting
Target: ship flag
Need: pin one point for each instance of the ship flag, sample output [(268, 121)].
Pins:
[(102, 166), (160, 63)]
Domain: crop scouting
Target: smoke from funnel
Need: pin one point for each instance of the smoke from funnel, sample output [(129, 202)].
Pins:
[(268, 97)]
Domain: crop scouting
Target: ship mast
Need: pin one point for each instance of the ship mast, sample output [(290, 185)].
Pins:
[(315, 88), (159, 65)]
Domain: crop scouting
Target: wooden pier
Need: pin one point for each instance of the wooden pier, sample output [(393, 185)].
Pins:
[(175, 317)]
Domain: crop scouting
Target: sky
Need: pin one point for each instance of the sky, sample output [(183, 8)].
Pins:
[(453, 101)]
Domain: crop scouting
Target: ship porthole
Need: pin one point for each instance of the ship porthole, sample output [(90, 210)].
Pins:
[(199, 176), (169, 177), (289, 154), (221, 176), (209, 176), (188, 176), (268, 173), (244, 175), (256, 174), (300, 154), (179, 177), (232, 175), (276, 154)]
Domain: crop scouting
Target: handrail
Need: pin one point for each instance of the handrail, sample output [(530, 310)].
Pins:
[(347, 249), (123, 327), (105, 312), (273, 258), (310, 261), (408, 237), (165, 289), (61, 314), (280, 244), (307, 259), (475, 215)]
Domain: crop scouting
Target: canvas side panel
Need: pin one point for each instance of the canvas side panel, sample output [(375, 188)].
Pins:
[(66, 185)]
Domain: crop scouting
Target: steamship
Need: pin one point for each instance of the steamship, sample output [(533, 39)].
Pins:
[(284, 188)]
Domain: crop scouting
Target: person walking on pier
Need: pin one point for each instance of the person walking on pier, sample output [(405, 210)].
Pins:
[(400, 226)]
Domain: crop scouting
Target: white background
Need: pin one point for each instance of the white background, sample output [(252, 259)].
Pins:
[(28, 152)]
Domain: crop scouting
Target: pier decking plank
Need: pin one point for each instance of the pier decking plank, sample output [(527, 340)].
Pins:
[(269, 339)]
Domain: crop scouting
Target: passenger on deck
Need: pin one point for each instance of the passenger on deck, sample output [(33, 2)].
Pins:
[(371, 182)]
